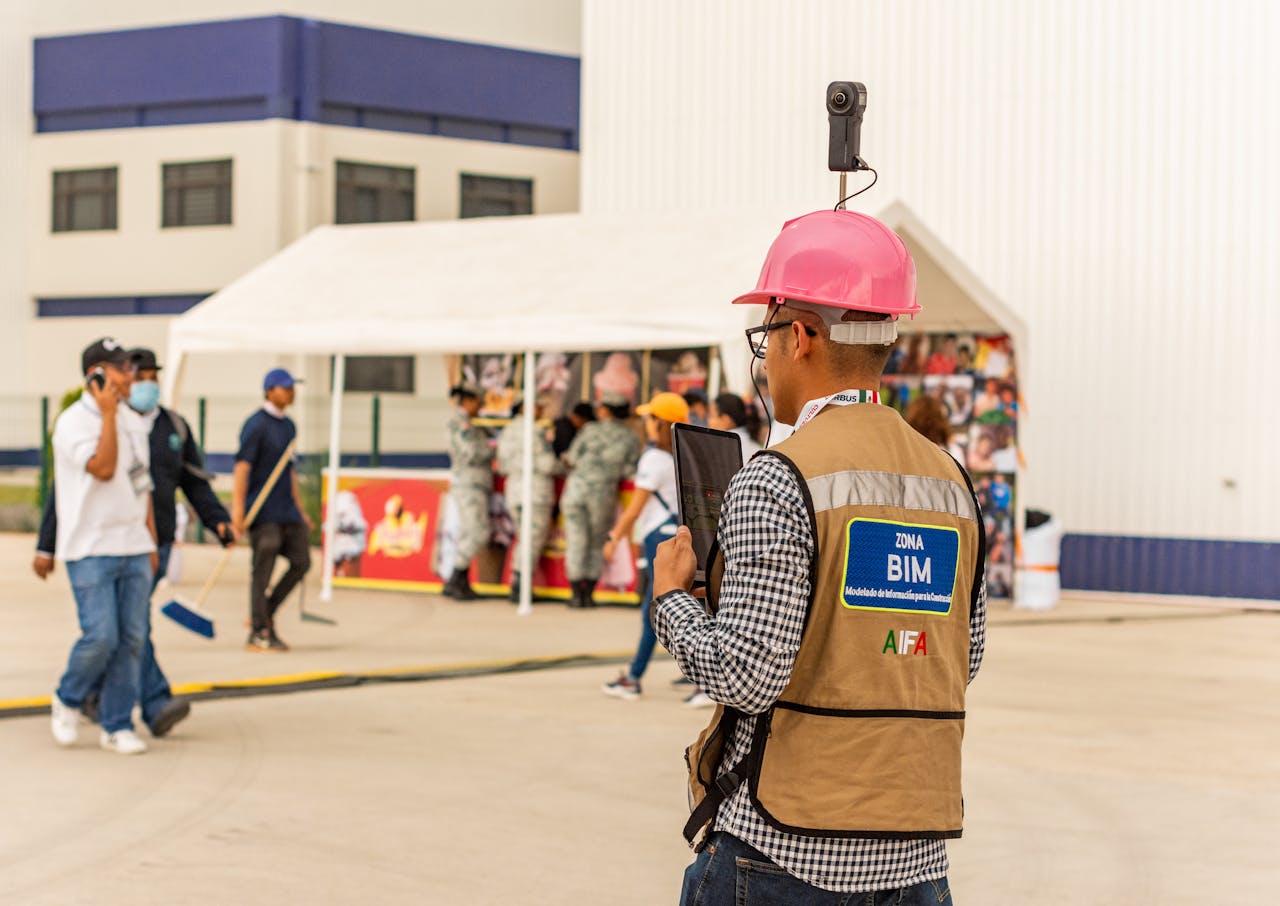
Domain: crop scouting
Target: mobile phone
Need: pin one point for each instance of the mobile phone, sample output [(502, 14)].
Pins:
[(97, 378)]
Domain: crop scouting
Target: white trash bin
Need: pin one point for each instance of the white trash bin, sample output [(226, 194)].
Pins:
[(1039, 584)]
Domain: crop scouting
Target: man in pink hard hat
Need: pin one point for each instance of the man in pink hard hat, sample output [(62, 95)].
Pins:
[(850, 613)]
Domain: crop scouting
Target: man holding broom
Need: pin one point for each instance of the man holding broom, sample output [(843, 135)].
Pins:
[(281, 527)]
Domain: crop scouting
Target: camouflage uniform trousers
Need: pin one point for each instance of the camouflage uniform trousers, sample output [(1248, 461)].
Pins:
[(472, 502), (541, 528), (587, 519)]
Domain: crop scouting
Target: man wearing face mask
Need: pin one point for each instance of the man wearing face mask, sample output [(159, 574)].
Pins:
[(176, 463)]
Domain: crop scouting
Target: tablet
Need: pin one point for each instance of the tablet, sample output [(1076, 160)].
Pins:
[(706, 460)]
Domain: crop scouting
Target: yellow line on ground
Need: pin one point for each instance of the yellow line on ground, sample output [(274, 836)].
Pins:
[(41, 701), (287, 679), (284, 679)]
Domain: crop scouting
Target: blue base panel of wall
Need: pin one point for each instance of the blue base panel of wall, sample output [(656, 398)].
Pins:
[(1171, 566)]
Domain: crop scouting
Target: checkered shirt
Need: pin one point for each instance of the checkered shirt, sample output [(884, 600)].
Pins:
[(742, 657)]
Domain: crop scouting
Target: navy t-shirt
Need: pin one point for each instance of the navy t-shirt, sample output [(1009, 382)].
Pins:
[(263, 440)]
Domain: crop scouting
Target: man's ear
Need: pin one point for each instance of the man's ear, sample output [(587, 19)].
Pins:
[(803, 342)]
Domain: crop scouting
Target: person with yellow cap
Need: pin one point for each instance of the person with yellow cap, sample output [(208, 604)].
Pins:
[(846, 614), (649, 519)]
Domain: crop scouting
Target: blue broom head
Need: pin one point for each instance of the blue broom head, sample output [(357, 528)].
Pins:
[(188, 618)]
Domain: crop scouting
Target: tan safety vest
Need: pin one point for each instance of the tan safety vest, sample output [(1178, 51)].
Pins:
[(865, 739)]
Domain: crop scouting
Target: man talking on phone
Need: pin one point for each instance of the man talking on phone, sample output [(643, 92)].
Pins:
[(106, 537), (851, 613)]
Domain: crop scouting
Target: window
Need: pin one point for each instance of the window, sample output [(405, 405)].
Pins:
[(495, 196), (369, 193), (84, 200), (197, 194), (379, 374)]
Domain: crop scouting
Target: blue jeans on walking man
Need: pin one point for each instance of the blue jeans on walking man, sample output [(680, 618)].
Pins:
[(153, 686), (113, 603)]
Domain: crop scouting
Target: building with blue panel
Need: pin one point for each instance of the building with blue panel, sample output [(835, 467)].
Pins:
[(164, 162)]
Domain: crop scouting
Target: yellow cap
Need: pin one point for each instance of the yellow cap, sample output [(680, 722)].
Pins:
[(670, 407)]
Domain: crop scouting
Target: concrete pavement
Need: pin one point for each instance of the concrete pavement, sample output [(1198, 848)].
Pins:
[(1114, 753)]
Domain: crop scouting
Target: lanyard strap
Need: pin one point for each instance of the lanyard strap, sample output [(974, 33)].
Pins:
[(843, 398)]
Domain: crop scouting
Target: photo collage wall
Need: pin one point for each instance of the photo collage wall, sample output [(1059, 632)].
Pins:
[(568, 378), (974, 377)]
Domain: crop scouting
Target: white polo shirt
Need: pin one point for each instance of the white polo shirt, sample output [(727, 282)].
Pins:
[(99, 518)]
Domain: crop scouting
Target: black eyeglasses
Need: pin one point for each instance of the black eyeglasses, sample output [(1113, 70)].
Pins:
[(758, 337)]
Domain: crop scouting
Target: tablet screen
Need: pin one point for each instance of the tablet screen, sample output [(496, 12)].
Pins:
[(706, 460)]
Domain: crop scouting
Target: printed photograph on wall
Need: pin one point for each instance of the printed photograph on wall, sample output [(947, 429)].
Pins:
[(992, 448), (677, 371), (955, 392), (993, 357), (495, 374), (616, 372), (554, 381), (996, 501), (899, 390)]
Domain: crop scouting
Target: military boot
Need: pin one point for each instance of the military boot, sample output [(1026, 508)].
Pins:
[(515, 588), (465, 591), (588, 587)]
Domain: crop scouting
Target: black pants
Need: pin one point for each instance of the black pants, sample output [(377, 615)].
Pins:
[(270, 540)]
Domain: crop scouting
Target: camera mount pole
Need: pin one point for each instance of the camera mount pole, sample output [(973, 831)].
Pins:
[(844, 182)]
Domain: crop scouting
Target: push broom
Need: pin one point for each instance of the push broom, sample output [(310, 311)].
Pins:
[(192, 616)]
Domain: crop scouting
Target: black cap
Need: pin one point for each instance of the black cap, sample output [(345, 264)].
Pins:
[(103, 352), (144, 359)]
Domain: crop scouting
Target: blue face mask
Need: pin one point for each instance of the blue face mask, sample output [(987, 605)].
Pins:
[(144, 396)]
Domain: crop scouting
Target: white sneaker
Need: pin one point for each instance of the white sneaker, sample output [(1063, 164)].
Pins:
[(122, 742), (699, 699), (66, 722)]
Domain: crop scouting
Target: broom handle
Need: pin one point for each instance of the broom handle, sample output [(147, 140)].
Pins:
[(248, 520)]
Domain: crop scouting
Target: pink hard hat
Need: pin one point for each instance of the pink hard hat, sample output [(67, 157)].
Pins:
[(838, 258)]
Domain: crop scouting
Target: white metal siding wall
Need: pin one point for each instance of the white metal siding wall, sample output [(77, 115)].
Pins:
[(1104, 168), (15, 126)]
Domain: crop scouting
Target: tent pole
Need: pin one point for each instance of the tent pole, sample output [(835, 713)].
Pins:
[(526, 493), (714, 374), (175, 370), (331, 496)]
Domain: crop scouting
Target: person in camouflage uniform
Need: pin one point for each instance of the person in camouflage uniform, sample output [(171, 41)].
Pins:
[(602, 454), (545, 468), (470, 484)]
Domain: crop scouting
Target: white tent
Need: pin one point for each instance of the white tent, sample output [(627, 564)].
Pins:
[(546, 283)]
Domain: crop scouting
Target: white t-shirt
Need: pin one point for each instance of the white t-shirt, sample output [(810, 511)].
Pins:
[(99, 518), (656, 473)]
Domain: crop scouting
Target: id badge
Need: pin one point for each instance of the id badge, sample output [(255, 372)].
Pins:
[(140, 475)]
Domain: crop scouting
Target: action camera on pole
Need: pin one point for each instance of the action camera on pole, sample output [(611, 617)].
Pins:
[(846, 102)]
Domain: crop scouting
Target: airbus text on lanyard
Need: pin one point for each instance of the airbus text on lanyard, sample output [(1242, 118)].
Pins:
[(843, 398)]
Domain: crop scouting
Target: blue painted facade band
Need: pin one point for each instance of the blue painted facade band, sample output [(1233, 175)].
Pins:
[(1171, 566), (285, 67), (98, 306)]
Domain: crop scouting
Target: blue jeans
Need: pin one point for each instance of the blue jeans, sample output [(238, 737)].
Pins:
[(114, 607), (648, 637), (153, 689), (731, 873)]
